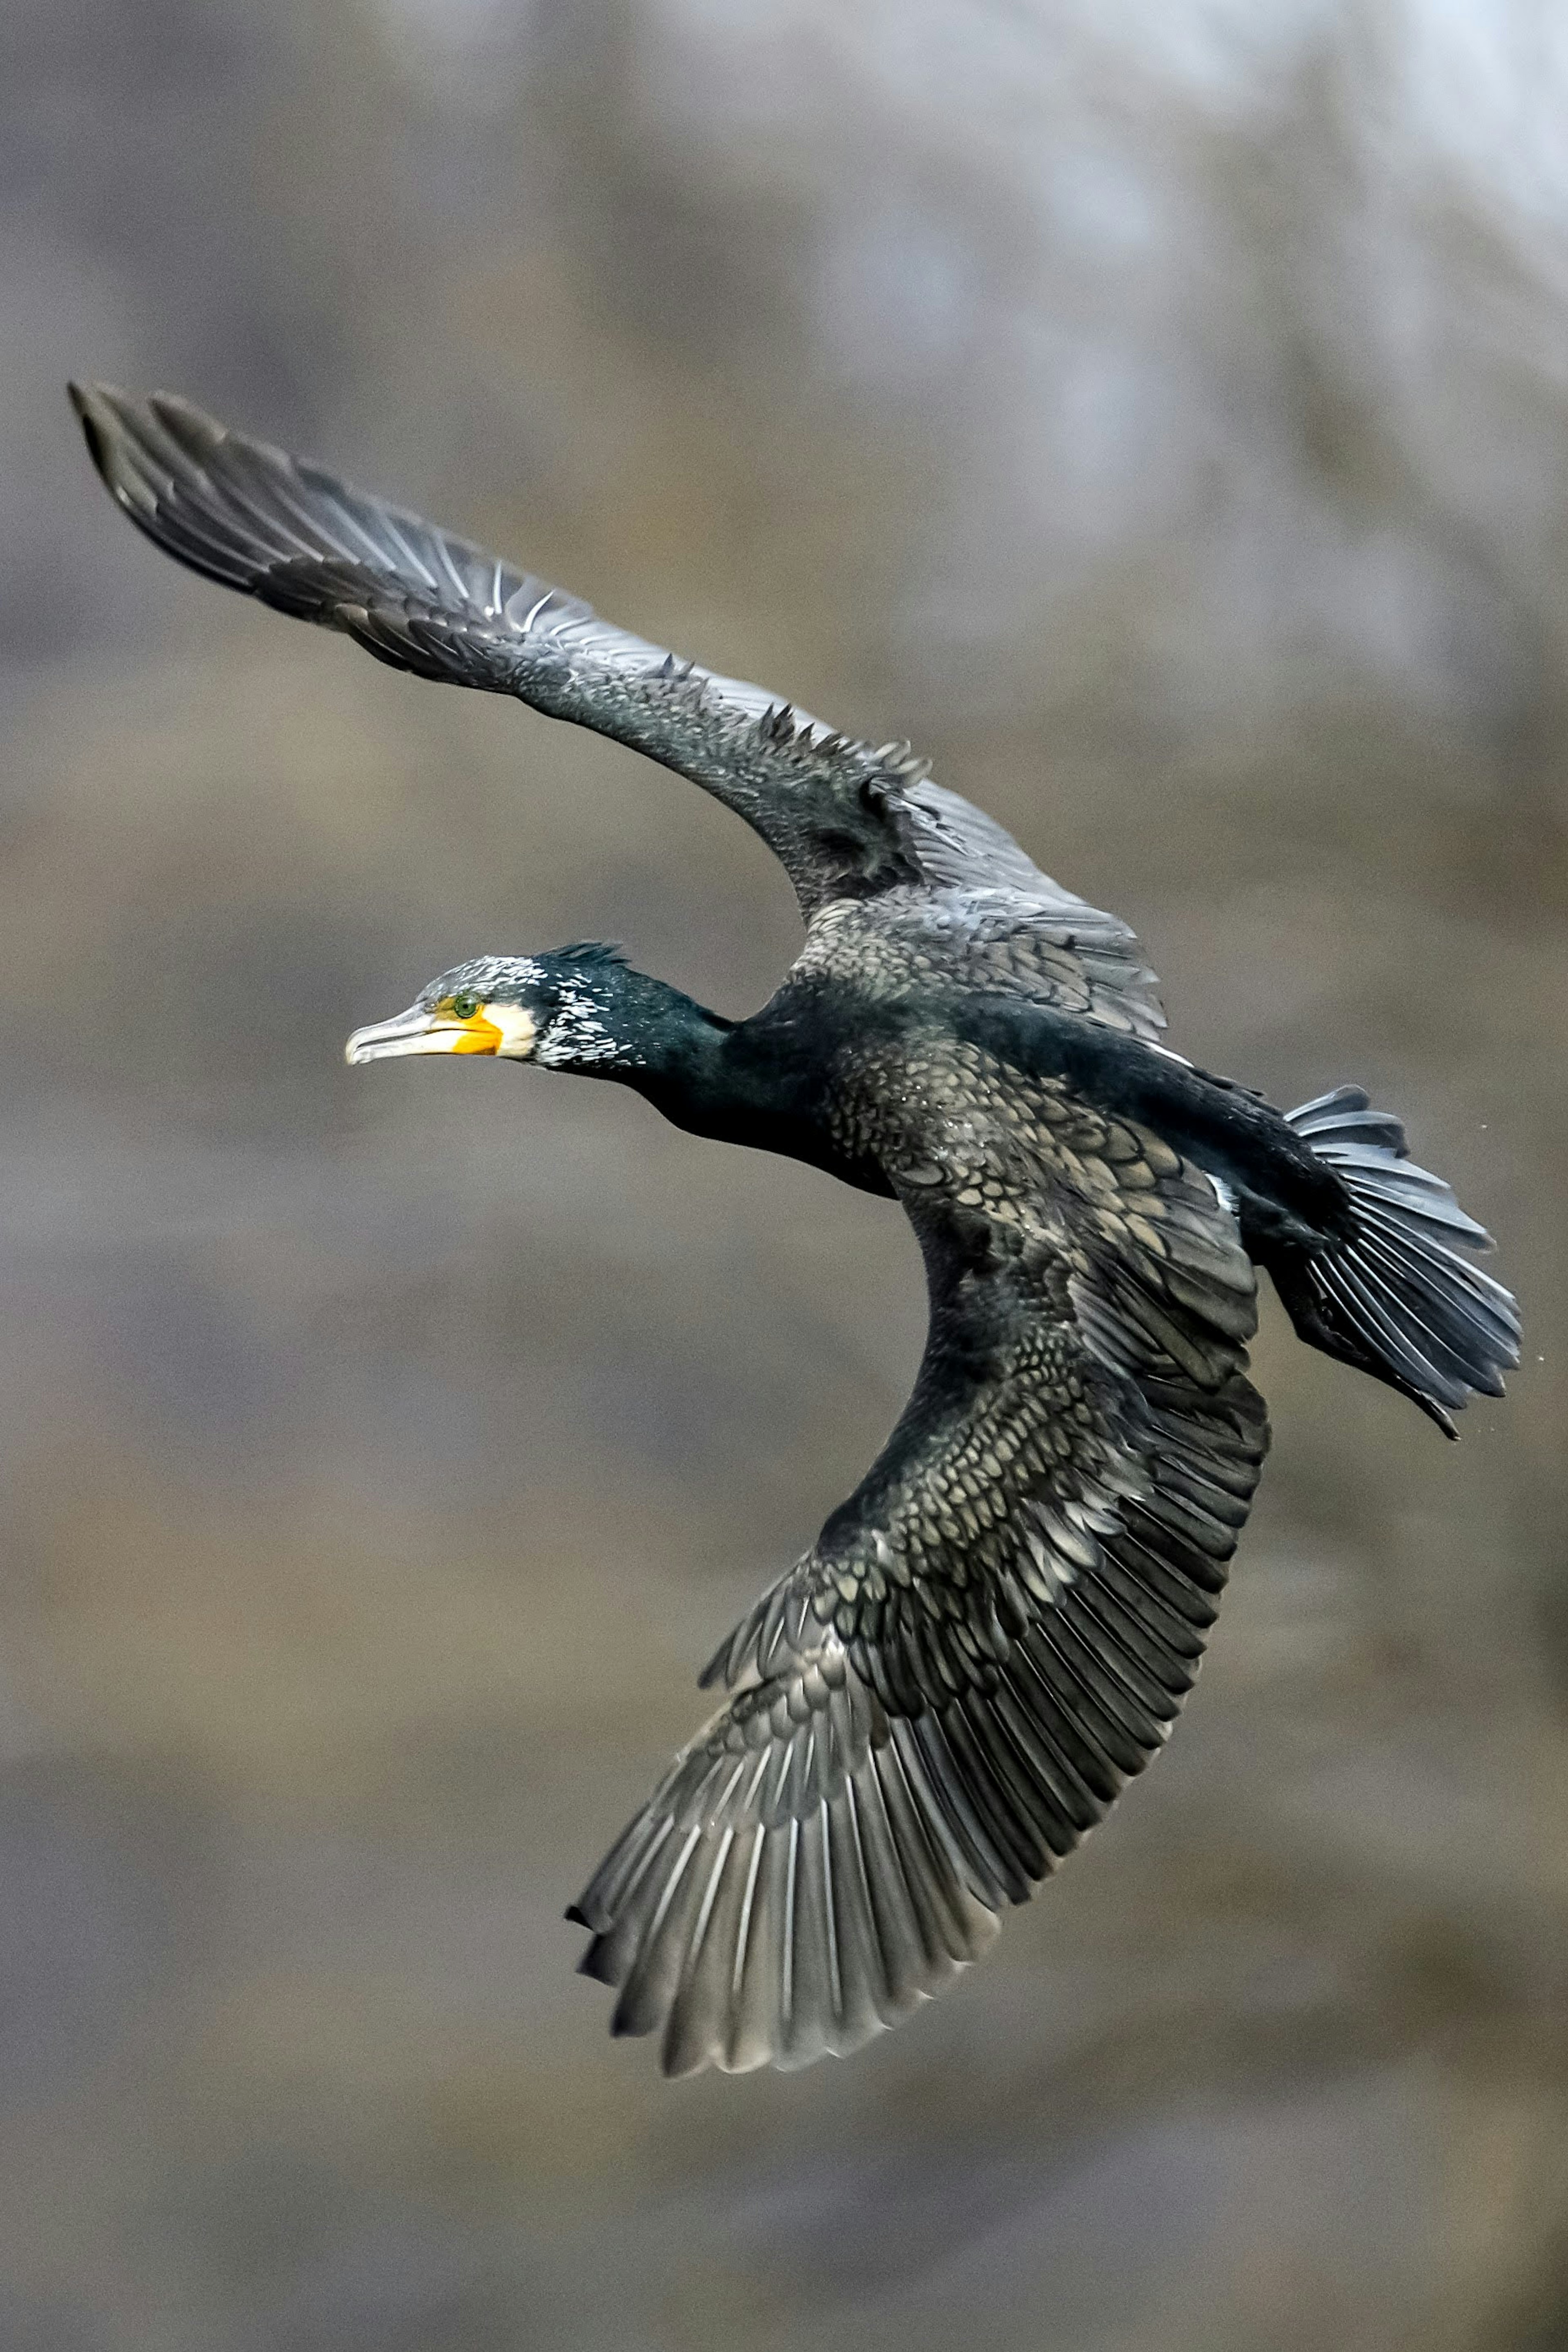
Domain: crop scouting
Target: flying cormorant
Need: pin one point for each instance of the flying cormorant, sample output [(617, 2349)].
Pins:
[(995, 1632)]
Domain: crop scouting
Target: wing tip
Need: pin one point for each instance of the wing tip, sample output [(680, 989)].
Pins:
[(120, 426), (93, 405)]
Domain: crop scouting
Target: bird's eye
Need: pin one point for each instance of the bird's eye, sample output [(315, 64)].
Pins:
[(466, 1007)]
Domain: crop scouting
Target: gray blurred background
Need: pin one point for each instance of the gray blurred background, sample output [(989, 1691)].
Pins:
[(1158, 409)]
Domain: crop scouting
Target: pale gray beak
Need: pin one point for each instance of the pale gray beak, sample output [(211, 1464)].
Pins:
[(504, 1029), (412, 1032)]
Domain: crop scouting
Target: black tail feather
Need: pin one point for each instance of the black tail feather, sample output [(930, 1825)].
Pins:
[(1396, 1299)]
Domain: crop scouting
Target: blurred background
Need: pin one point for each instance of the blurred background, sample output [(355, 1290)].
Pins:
[(1157, 409)]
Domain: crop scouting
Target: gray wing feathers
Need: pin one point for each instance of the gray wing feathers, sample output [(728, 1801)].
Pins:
[(426, 600), (300, 540), (950, 1690), (789, 1890), (965, 846), (842, 816), (794, 1887), (1026, 932)]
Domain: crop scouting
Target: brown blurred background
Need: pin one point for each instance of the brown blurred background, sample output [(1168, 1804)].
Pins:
[(1158, 409)]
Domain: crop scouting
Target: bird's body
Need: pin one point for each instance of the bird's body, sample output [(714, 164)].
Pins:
[(996, 1630)]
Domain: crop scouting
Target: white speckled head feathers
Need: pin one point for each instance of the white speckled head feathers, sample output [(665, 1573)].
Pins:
[(574, 998)]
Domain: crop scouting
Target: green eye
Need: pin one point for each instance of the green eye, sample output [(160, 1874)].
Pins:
[(466, 1007)]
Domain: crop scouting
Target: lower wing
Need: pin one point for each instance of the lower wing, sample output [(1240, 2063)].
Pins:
[(984, 1645)]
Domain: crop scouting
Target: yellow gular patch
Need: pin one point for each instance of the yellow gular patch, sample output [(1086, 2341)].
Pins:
[(477, 1034)]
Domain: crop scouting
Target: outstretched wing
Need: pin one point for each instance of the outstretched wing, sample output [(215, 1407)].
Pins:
[(991, 1637), (846, 818)]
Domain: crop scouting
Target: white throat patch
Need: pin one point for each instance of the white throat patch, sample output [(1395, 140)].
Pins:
[(518, 1029)]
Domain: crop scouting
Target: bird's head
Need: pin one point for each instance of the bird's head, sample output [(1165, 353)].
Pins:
[(567, 1011)]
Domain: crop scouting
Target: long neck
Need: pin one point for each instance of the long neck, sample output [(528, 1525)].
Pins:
[(746, 1082), (666, 1046)]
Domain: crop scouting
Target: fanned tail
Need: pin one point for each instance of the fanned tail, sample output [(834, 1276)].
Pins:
[(1396, 1299)]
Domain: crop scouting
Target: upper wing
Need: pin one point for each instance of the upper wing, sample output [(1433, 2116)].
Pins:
[(846, 818), (989, 1638), (997, 922)]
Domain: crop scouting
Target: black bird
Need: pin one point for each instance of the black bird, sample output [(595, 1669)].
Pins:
[(996, 1631)]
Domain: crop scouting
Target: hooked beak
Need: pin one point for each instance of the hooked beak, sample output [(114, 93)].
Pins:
[(418, 1031)]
